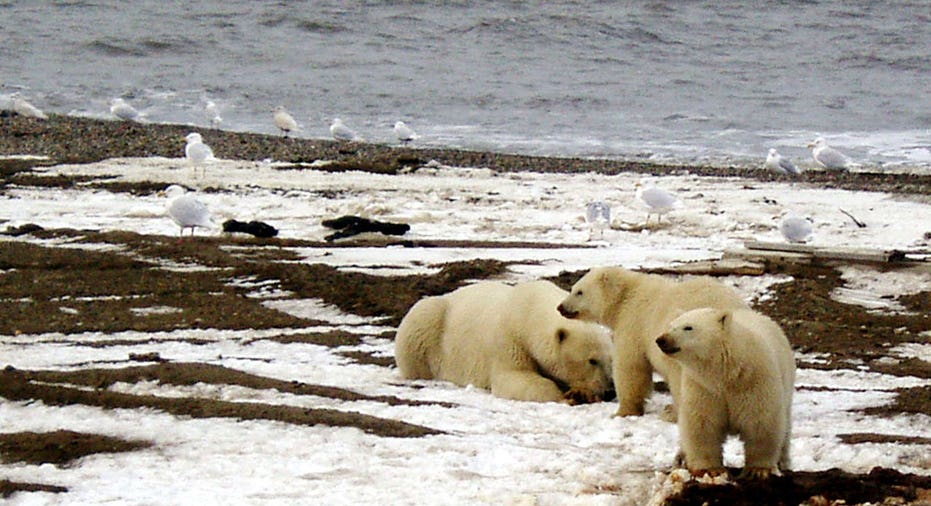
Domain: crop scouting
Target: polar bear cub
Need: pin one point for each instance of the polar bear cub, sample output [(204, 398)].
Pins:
[(638, 307), (738, 376), (509, 339)]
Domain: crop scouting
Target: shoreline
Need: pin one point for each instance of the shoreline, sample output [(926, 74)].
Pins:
[(68, 139)]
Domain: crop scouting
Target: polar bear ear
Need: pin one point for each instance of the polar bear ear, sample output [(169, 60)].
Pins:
[(724, 317), (561, 335)]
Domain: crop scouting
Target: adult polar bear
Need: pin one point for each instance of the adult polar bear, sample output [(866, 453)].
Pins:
[(638, 307), (738, 376), (509, 339)]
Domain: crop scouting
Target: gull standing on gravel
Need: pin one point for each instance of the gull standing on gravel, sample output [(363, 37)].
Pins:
[(341, 132), (197, 153), (284, 121), (775, 162), (598, 216), (403, 132), (120, 109), (185, 210), (22, 107), (795, 229), (826, 156), (657, 201), (213, 114)]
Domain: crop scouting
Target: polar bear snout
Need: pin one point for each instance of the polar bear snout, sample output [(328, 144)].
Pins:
[(667, 344), (566, 311)]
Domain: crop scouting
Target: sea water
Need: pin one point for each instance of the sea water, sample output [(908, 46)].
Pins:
[(688, 81)]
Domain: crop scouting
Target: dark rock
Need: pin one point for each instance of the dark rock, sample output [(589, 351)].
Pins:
[(28, 228), (348, 226), (256, 228)]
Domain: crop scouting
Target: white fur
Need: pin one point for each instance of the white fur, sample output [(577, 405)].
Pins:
[(738, 377), (509, 339), (637, 308)]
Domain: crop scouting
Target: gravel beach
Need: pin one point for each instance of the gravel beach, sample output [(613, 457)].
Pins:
[(845, 336)]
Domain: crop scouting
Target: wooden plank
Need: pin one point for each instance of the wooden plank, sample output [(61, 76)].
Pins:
[(769, 256), (833, 253), (722, 267)]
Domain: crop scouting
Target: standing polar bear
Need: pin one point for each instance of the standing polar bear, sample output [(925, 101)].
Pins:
[(638, 307), (509, 339), (738, 376)]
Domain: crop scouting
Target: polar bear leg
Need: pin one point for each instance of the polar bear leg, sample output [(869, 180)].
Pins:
[(702, 430), (418, 343), (785, 461), (524, 386), (763, 447), (633, 381)]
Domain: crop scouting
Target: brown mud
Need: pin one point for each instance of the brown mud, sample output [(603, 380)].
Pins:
[(49, 289)]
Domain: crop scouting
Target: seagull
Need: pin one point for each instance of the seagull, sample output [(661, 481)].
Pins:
[(657, 201), (826, 156), (795, 229), (22, 107), (284, 121), (122, 110), (213, 114), (776, 163), (341, 132), (185, 210), (598, 215), (196, 152), (403, 132)]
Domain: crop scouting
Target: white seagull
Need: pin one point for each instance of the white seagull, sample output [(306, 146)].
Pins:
[(341, 132), (657, 201), (404, 133), (213, 114), (598, 216), (22, 107), (196, 152), (826, 156), (284, 121), (185, 210), (795, 229), (122, 110), (776, 163)]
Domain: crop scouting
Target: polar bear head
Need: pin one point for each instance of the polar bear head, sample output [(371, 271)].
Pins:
[(582, 364), (596, 294), (696, 336)]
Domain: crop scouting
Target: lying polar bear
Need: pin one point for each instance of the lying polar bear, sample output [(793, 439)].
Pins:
[(509, 339)]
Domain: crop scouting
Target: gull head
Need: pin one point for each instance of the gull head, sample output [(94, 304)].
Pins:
[(818, 143), (172, 191), (773, 157), (193, 138)]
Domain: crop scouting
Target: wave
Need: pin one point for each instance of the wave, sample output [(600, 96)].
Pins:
[(142, 47)]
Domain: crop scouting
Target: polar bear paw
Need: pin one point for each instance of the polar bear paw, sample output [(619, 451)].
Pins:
[(575, 397), (711, 472), (758, 473)]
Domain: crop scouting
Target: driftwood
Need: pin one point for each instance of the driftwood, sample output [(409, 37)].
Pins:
[(784, 253), (722, 267)]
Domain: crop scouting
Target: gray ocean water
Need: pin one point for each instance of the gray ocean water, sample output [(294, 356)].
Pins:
[(690, 81)]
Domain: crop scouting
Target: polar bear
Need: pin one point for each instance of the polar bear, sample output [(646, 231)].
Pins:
[(509, 339), (738, 376), (638, 307)]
